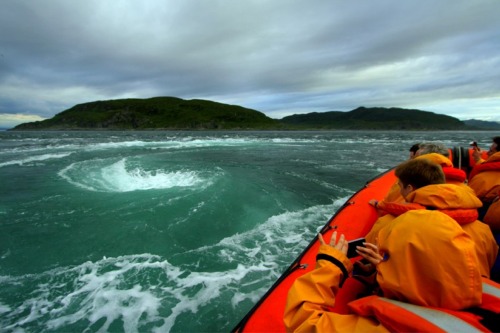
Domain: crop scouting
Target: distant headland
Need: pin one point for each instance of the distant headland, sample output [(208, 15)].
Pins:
[(171, 113)]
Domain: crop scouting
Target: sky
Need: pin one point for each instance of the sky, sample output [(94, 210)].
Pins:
[(280, 57)]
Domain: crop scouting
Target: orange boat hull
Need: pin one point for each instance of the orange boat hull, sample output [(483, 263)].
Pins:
[(354, 219)]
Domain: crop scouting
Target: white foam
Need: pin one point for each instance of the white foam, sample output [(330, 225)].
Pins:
[(32, 159), (5, 254), (100, 176), (171, 144), (4, 308), (133, 290), (147, 292), (270, 247), (167, 143), (98, 290)]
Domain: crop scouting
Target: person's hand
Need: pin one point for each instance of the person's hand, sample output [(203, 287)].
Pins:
[(371, 253), (476, 153), (341, 245)]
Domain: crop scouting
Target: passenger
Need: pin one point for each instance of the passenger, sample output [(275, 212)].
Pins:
[(427, 274), (484, 179), (393, 194), (432, 147), (422, 184), (413, 150), (437, 153), (494, 148), (452, 175)]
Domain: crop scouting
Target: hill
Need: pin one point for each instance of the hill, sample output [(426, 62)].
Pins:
[(377, 119), (482, 125), (154, 113), (173, 113)]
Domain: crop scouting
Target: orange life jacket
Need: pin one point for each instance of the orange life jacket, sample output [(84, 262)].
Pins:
[(462, 216), (399, 316), (454, 175), (486, 166)]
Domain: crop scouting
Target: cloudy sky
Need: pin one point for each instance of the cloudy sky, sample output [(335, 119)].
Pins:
[(278, 56)]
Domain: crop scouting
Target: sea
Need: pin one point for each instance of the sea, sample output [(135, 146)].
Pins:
[(170, 231)]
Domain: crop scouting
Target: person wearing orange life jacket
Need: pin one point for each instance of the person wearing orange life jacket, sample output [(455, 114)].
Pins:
[(427, 273), (438, 153), (423, 186), (452, 176), (484, 179)]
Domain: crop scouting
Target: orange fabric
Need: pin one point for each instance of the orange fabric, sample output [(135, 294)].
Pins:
[(438, 159), (486, 245), (491, 301), (452, 175), (445, 196), (462, 216), (492, 217), (381, 222), (460, 203), (396, 208), (399, 317), (484, 167), (486, 184), (393, 317), (394, 194), (413, 272), (485, 181), (312, 296), (450, 197), (483, 156)]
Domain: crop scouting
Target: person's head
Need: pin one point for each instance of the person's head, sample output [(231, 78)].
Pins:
[(413, 150), (432, 147), (431, 261), (417, 173), (495, 146)]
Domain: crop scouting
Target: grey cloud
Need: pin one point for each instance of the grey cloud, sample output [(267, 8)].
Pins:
[(278, 57)]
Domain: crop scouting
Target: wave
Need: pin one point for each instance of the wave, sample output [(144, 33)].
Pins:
[(174, 142), (272, 245), (31, 159), (138, 292), (146, 292), (94, 295), (100, 176)]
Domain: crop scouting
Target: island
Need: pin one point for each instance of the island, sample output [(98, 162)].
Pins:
[(172, 113)]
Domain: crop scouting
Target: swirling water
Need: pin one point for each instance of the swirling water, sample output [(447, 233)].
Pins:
[(169, 231)]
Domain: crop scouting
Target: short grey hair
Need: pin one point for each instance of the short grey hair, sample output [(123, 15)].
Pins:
[(434, 147)]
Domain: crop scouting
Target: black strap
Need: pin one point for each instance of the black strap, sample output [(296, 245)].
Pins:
[(490, 319), (337, 263)]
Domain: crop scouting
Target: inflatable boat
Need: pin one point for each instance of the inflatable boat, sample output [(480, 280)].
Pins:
[(354, 219)]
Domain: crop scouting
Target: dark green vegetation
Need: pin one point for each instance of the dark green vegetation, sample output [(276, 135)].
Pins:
[(175, 113), (376, 118), (482, 125), (155, 113)]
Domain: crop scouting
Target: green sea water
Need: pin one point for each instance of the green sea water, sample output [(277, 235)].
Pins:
[(169, 231)]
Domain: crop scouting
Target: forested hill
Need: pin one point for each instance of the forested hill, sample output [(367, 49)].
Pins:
[(178, 114), (155, 113), (375, 118)]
